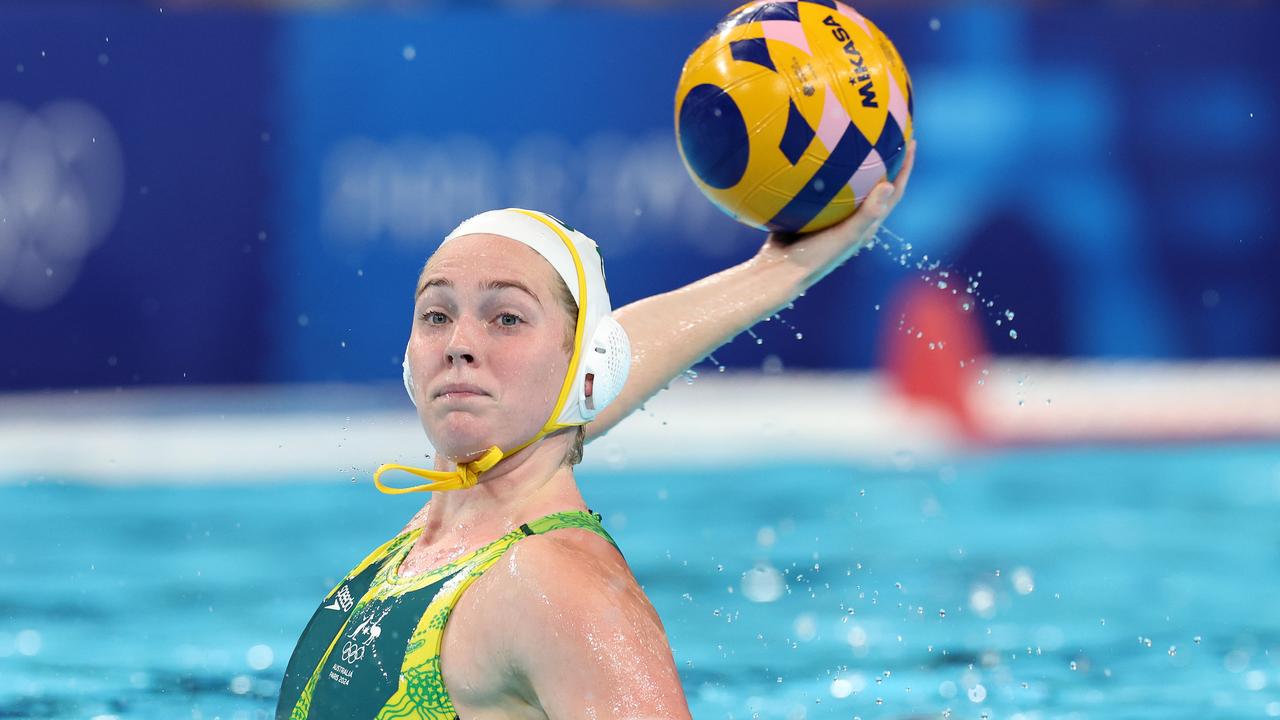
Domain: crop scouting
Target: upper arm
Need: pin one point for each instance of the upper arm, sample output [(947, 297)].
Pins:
[(590, 643)]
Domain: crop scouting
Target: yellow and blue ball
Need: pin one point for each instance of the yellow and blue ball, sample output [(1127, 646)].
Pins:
[(789, 113)]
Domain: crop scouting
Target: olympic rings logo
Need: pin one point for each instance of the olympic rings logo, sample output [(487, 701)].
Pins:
[(61, 188), (352, 652)]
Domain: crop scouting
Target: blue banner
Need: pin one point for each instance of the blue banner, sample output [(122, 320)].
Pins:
[(267, 186)]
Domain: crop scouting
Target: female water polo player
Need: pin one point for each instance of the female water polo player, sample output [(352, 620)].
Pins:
[(504, 597)]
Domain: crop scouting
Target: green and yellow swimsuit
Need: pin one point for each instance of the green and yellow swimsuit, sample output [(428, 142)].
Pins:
[(372, 649)]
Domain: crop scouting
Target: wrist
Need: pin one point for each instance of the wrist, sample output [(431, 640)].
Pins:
[(779, 273)]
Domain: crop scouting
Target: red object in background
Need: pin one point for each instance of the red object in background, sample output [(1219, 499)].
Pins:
[(920, 315)]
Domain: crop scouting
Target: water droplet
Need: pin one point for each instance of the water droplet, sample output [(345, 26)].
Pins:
[(1013, 333), (1023, 581), (799, 336), (1073, 664), (409, 52), (1196, 639), (942, 284)]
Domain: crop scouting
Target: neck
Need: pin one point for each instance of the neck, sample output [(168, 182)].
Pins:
[(522, 487)]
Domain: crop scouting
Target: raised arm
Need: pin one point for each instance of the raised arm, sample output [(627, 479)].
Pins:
[(672, 331)]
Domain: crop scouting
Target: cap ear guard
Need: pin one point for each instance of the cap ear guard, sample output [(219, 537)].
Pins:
[(607, 359), (407, 376)]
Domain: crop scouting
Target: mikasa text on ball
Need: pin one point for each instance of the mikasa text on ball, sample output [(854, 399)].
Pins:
[(789, 113)]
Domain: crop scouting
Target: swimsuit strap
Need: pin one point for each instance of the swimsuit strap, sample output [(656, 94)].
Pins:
[(421, 693)]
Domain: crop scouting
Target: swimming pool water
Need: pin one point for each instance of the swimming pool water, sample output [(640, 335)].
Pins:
[(1086, 582)]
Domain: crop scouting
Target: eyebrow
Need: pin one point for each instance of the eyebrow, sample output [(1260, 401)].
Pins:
[(490, 285)]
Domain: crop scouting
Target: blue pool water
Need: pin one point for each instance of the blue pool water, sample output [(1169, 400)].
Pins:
[(1098, 583)]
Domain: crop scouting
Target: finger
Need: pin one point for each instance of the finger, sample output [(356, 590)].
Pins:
[(875, 205), (871, 212), (904, 174), (891, 190), (883, 197)]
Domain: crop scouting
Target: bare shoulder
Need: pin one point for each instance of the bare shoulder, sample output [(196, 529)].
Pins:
[(575, 569), (589, 642)]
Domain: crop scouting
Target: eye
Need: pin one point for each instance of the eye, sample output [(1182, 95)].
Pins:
[(434, 317), (512, 317)]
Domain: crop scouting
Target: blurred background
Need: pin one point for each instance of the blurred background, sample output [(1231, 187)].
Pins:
[(267, 182), (212, 215)]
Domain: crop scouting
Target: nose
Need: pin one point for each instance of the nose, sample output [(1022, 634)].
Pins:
[(460, 348)]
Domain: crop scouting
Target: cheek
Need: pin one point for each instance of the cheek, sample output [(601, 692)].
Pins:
[(420, 353), (536, 374)]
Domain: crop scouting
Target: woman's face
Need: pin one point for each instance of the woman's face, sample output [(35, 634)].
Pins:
[(487, 349)]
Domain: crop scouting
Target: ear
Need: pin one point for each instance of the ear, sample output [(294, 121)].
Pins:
[(588, 387)]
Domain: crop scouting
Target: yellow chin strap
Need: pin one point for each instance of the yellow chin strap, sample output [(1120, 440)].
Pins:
[(467, 474)]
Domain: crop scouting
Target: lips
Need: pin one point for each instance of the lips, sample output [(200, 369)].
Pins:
[(460, 390)]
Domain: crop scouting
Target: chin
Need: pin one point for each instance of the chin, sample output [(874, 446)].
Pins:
[(461, 438)]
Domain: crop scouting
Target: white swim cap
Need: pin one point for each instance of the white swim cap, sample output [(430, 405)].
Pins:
[(601, 348)]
